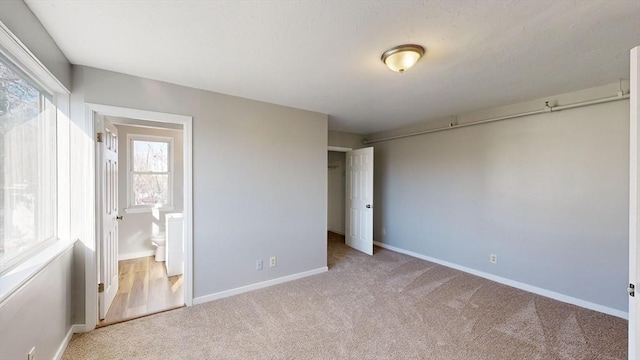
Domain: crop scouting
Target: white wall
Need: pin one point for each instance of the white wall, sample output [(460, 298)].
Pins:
[(135, 229), (547, 193), (260, 186), (336, 189)]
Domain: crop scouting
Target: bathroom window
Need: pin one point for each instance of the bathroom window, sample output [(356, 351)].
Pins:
[(28, 174), (150, 172)]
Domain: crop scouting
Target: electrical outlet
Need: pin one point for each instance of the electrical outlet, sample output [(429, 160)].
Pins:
[(32, 354), (493, 258), (384, 231), (258, 264), (272, 261)]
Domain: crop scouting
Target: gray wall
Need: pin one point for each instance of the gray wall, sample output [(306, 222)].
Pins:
[(40, 313), (547, 193), (260, 185), (135, 229), (83, 220), (345, 139), (16, 15), (336, 188)]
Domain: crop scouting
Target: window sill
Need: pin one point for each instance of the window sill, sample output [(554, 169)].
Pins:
[(139, 210), (13, 280)]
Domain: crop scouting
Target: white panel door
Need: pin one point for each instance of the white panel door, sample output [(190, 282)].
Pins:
[(634, 201), (359, 200), (108, 211)]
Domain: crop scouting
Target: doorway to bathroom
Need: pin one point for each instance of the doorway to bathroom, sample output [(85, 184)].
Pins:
[(143, 234), (149, 202)]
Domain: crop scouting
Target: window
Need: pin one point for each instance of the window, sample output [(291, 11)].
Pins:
[(28, 174), (150, 177)]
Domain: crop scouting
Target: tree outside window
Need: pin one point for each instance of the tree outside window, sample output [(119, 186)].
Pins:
[(150, 172), (27, 166)]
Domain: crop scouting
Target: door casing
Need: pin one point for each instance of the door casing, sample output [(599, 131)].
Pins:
[(90, 255), (634, 203)]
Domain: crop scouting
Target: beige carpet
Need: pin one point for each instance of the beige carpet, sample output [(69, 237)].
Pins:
[(389, 306)]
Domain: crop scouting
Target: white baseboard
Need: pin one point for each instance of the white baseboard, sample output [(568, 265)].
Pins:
[(516, 284), (65, 342), (260, 285), (136, 255)]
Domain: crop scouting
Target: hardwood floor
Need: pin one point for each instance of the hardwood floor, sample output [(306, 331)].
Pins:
[(144, 289)]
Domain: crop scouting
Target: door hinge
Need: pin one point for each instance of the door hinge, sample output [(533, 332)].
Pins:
[(99, 137), (632, 290), (101, 288)]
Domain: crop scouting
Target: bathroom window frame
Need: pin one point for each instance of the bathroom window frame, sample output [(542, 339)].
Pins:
[(131, 207)]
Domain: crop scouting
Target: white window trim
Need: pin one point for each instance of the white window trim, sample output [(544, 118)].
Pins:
[(131, 208), (17, 52), (26, 270), (12, 280), (147, 209)]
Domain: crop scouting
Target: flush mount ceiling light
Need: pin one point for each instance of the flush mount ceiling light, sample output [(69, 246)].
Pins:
[(402, 57)]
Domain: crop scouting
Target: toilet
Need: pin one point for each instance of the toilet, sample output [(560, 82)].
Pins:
[(159, 241)]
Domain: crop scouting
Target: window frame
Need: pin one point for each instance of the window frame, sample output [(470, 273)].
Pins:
[(131, 207), (46, 188)]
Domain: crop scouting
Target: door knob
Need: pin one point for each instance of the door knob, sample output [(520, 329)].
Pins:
[(368, 206), (119, 217)]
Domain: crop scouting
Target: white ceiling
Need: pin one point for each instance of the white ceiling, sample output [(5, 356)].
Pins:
[(325, 55)]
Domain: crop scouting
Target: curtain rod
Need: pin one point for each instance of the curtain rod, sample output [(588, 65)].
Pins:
[(547, 109)]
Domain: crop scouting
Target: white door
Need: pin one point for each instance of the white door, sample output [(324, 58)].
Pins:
[(359, 200), (634, 201), (107, 175)]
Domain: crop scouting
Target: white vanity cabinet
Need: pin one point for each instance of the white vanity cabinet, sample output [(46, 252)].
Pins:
[(174, 228)]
